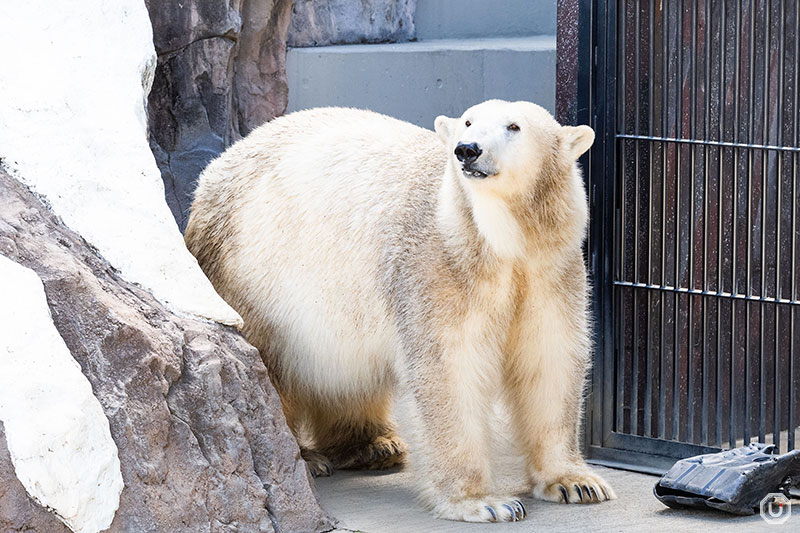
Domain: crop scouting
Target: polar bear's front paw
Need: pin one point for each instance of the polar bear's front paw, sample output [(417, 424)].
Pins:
[(378, 454), (506, 509), (318, 464), (575, 487)]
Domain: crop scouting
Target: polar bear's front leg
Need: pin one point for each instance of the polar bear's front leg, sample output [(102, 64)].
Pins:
[(545, 377), (447, 412)]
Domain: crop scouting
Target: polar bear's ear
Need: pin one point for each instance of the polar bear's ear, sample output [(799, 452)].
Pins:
[(443, 126), (577, 139)]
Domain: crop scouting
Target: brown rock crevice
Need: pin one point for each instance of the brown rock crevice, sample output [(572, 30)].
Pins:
[(203, 443), (231, 36), (220, 74)]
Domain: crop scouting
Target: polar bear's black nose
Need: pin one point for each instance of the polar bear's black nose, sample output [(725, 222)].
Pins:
[(468, 153)]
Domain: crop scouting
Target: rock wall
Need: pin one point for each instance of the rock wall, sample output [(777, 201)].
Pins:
[(203, 443), (324, 22), (222, 71), (220, 74)]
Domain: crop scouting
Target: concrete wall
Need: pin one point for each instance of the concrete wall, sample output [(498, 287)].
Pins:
[(466, 19), (467, 51), (418, 81)]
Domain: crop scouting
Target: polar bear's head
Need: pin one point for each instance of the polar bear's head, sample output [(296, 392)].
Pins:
[(516, 165), (505, 145)]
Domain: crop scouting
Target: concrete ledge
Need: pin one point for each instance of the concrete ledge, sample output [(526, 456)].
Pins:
[(440, 77), (517, 44)]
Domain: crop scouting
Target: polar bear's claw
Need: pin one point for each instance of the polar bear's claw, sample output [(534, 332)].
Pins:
[(515, 511), (482, 510), (522, 511), (580, 486)]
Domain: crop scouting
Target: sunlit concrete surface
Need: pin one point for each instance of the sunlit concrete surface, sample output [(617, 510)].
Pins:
[(374, 502)]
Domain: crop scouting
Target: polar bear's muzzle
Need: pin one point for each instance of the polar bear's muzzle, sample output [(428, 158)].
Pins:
[(468, 154)]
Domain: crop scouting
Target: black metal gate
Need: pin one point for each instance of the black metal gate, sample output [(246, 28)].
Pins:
[(695, 242)]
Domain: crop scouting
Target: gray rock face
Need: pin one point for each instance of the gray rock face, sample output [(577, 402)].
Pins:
[(221, 73), (202, 439), (323, 22)]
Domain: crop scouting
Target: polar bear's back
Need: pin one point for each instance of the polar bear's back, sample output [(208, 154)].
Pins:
[(329, 161), (290, 224)]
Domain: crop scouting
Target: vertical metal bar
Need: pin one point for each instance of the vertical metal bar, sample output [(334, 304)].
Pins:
[(796, 87), (621, 347), (662, 394), (720, 156), (791, 443), (675, 369), (635, 366), (690, 399), (648, 392), (732, 377), (707, 105), (586, 39), (618, 296), (676, 260), (606, 189), (762, 407), (749, 225), (776, 397), (735, 217)]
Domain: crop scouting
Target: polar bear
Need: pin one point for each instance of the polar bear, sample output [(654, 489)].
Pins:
[(372, 259)]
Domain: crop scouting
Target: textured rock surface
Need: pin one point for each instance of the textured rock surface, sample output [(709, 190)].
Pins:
[(202, 440), (323, 22), (220, 74)]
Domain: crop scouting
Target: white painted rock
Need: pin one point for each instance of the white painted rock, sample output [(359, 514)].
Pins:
[(73, 84), (57, 434)]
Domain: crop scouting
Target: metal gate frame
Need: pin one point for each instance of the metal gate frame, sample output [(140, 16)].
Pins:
[(601, 102), (596, 94)]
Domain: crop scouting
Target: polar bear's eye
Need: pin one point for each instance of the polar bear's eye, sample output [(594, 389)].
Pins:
[(513, 127), (468, 123)]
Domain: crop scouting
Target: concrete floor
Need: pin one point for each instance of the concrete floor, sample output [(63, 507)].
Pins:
[(379, 502)]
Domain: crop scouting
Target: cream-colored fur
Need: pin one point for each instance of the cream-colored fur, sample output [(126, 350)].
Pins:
[(368, 266)]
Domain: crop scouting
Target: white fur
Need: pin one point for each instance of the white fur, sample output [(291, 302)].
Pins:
[(497, 225)]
